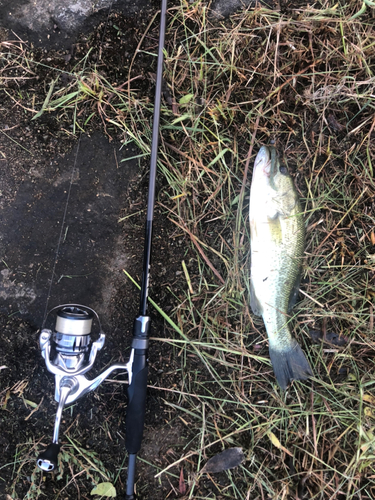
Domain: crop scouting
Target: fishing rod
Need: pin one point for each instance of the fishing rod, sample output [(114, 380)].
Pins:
[(135, 415), (69, 351)]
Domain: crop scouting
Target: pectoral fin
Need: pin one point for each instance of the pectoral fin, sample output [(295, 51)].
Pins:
[(286, 203), (275, 228), (254, 302)]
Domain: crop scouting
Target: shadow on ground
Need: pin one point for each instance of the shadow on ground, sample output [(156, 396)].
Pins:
[(84, 192)]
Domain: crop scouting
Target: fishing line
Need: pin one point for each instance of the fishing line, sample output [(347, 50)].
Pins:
[(61, 230), (70, 185)]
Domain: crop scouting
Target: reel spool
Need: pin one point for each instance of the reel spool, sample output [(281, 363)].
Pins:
[(72, 330)]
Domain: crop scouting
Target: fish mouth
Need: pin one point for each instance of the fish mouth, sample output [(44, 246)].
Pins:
[(263, 161)]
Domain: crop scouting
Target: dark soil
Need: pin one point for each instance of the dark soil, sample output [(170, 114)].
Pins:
[(45, 170)]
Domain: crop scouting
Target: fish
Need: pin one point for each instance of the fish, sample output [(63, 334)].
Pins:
[(277, 239)]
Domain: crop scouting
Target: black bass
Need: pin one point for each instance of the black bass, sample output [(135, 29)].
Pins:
[(277, 244)]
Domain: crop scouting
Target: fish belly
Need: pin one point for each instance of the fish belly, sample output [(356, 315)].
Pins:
[(275, 266)]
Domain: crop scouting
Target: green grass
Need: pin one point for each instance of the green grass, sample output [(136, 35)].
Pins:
[(232, 399)]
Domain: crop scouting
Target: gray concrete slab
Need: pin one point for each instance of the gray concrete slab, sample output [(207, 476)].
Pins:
[(55, 23), (224, 8)]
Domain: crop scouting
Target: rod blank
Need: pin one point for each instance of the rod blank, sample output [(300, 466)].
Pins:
[(153, 163), (138, 387)]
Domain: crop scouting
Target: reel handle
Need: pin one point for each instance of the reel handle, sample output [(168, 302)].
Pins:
[(47, 460)]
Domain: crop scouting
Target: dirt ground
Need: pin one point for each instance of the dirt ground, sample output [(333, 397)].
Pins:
[(41, 163)]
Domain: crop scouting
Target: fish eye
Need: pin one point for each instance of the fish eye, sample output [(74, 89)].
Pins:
[(283, 170)]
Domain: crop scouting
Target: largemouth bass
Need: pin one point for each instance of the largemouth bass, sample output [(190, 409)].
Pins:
[(277, 243)]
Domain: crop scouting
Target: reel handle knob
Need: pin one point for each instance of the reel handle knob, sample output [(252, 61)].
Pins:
[(47, 461)]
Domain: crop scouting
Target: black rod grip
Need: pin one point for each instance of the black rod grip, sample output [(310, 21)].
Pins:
[(135, 414)]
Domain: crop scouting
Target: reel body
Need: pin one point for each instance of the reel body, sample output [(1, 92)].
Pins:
[(70, 353)]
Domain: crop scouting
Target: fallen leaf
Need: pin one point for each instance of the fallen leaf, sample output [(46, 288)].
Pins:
[(186, 99), (369, 412), (277, 443), (369, 399), (274, 440), (227, 459), (104, 490), (182, 484), (332, 338)]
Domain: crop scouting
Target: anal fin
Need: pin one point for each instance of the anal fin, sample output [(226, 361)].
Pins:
[(254, 302), (294, 293)]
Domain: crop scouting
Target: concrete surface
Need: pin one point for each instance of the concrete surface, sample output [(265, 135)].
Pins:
[(224, 8), (55, 23)]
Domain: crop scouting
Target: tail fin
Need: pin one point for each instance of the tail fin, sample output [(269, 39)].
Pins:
[(290, 364)]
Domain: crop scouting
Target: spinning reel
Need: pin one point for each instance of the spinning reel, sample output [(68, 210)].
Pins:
[(69, 353)]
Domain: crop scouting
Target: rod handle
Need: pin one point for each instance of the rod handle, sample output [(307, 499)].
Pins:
[(135, 414)]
